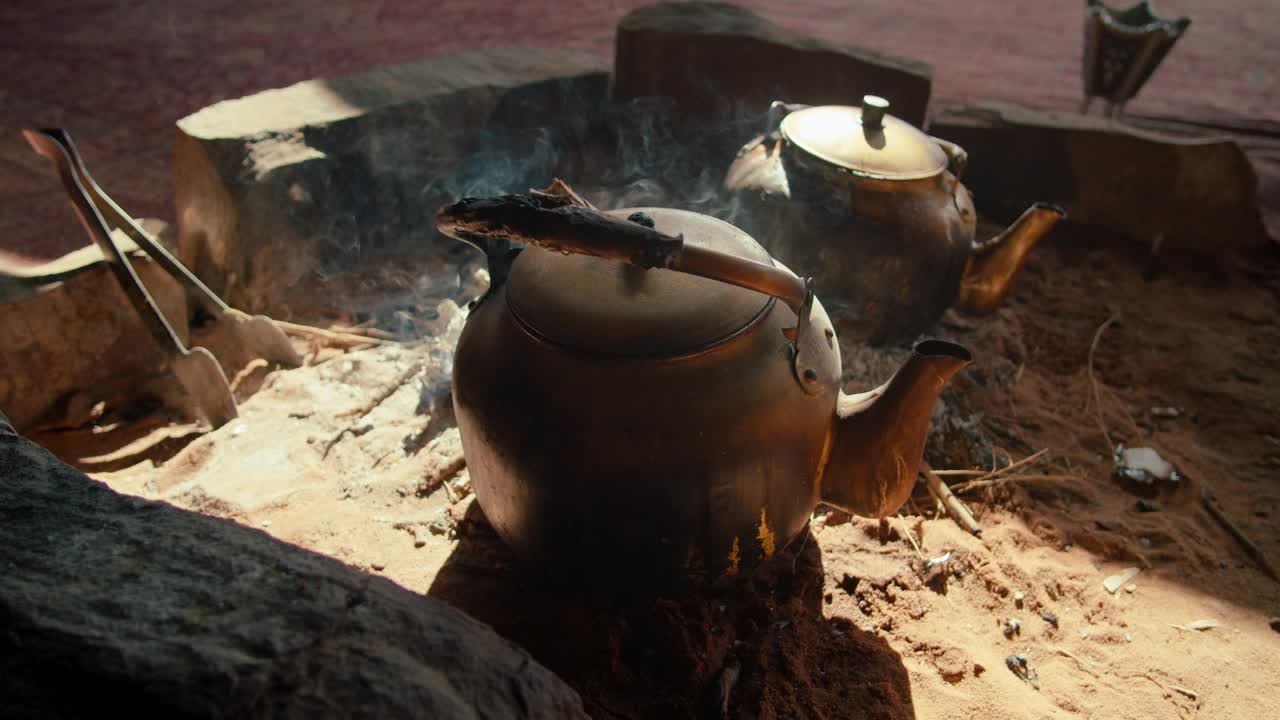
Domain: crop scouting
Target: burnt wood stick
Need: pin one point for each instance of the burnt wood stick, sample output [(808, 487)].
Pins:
[(555, 222)]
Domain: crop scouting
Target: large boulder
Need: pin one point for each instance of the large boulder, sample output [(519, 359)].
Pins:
[(311, 178), (110, 600), (1182, 191), (716, 59)]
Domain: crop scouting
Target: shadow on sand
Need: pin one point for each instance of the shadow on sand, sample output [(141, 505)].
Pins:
[(760, 647)]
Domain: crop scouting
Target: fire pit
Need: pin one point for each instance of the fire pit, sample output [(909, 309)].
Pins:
[(357, 455)]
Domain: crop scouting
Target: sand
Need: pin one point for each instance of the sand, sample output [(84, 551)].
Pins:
[(847, 624)]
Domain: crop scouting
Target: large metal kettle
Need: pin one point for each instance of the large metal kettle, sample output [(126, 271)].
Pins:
[(646, 397), (874, 210)]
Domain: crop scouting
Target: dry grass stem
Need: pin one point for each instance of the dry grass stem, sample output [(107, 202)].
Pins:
[(1093, 380)]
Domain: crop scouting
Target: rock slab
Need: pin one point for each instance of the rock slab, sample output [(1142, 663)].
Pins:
[(718, 59), (69, 338), (1190, 192), (108, 599), (314, 177)]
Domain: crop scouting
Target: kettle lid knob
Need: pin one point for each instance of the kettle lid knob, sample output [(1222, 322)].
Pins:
[(873, 110)]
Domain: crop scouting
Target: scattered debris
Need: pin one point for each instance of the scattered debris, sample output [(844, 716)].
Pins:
[(1012, 627), (848, 583), (1143, 465), (354, 431), (1166, 412), (1198, 624), (1115, 582), (1211, 504), (1019, 666), (1049, 617), (933, 569), (939, 561)]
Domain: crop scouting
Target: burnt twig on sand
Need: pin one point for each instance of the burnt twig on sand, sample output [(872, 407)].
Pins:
[(1254, 552)]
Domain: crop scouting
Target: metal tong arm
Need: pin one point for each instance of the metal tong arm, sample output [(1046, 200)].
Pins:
[(117, 217), (50, 144)]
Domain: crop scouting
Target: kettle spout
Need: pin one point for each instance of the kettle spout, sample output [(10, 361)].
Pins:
[(995, 264), (879, 435)]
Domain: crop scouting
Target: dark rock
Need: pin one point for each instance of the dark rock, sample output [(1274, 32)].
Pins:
[(311, 178), (107, 599), (717, 59), (1193, 192), (1146, 506)]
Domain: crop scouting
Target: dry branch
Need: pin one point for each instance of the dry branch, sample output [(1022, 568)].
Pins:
[(332, 337), (1254, 552), (1093, 380), (955, 508)]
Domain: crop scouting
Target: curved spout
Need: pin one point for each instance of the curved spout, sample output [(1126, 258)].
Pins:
[(879, 435), (993, 266)]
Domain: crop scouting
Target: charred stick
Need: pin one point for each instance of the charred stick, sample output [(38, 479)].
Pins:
[(1254, 552), (554, 221)]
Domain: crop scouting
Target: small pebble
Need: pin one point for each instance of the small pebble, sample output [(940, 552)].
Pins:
[(1049, 617), (379, 566), (1012, 627), (1146, 506), (1275, 624), (1130, 588), (419, 543), (1018, 597)]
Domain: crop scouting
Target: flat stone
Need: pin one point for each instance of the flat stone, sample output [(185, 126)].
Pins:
[(1191, 192), (315, 177), (116, 599), (717, 59), (71, 338)]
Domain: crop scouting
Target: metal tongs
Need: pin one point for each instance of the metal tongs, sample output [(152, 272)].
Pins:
[(208, 394)]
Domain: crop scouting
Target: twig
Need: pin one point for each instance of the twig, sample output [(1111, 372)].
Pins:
[(1093, 380), (1147, 676), (248, 370), (907, 531), (385, 393), (979, 484), (1083, 663), (438, 475), (985, 476), (955, 508), (962, 473), (1211, 504), (343, 339), (364, 329)]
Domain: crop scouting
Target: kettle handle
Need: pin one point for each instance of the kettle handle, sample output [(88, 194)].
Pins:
[(777, 111), (957, 158)]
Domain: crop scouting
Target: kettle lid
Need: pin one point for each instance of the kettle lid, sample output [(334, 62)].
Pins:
[(865, 140), (608, 307)]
